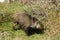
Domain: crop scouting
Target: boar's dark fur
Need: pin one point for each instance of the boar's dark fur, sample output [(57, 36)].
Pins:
[(26, 22)]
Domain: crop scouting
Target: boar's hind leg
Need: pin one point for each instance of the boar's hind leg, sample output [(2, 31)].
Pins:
[(14, 25)]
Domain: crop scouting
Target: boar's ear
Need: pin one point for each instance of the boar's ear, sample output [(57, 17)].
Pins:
[(35, 19)]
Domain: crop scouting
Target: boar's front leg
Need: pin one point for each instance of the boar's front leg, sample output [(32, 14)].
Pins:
[(27, 30)]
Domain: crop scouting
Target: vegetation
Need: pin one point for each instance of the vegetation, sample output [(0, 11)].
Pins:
[(49, 16)]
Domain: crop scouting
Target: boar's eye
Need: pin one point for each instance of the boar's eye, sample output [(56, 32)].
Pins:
[(34, 19)]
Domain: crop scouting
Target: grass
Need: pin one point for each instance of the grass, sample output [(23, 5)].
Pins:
[(51, 21)]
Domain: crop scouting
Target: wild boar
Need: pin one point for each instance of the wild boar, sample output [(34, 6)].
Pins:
[(25, 21)]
